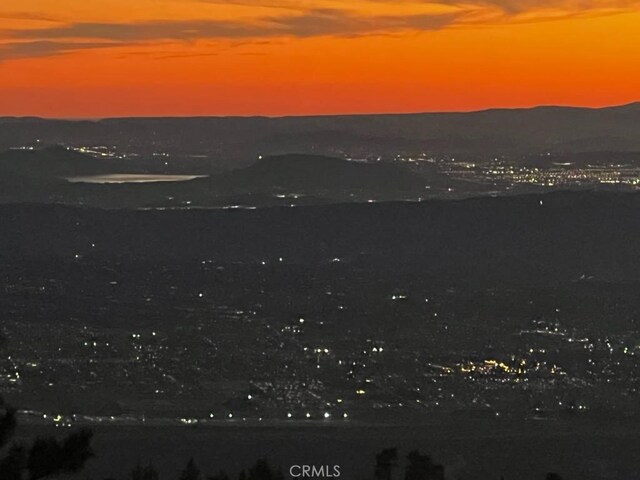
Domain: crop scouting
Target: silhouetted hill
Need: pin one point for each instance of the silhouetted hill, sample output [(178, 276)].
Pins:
[(327, 177), (560, 236), (49, 163), (633, 107), (40, 176), (317, 172)]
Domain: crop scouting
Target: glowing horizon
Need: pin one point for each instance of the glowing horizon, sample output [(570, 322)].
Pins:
[(115, 58)]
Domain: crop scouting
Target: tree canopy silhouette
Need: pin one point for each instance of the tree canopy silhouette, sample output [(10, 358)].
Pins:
[(553, 476), (386, 461), (221, 475), (45, 457), (261, 470), (148, 472), (420, 467), (191, 471)]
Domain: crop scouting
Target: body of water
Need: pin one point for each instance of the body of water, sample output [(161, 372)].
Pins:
[(132, 178)]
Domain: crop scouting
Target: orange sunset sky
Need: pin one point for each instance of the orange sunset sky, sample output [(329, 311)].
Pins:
[(100, 58)]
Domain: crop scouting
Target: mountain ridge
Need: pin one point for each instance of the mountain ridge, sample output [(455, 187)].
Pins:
[(632, 104)]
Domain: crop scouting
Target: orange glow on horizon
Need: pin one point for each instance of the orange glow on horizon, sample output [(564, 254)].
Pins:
[(178, 57)]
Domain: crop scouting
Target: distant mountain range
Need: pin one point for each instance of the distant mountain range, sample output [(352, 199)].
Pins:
[(248, 162), (214, 143)]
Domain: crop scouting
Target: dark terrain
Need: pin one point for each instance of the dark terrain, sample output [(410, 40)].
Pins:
[(224, 142), (466, 284), (537, 239)]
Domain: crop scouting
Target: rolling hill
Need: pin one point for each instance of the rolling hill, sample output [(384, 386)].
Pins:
[(40, 176)]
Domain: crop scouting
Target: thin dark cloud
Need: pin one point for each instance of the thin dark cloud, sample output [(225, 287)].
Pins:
[(333, 22), (184, 55), (277, 4), (45, 48), (316, 22), (25, 16), (520, 6), (144, 31), (312, 22), (516, 6), (508, 6)]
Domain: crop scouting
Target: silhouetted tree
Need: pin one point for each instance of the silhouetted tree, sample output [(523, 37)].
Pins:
[(14, 463), (421, 467), (191, 471), (148, 472), (44, 453), (386, 461), (7, 423), (46, 457), (221, 475), (263, 471)]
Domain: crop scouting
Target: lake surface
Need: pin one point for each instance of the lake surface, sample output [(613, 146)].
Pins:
[(132, 178), (519, 450)]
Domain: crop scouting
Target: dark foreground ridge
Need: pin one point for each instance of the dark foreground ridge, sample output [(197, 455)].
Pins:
[(559, 236)]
